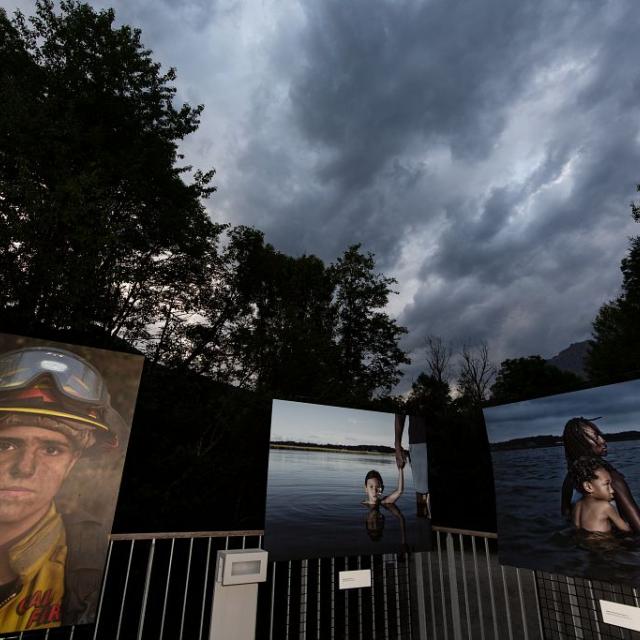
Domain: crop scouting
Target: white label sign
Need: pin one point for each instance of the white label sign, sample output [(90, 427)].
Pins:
[(354, 579), (622, 615)]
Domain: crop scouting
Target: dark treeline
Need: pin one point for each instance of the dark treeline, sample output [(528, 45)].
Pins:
[(537, 442), (370, 448)]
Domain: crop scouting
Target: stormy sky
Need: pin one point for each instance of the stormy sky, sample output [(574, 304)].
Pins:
[(486, 152), (615, 406)]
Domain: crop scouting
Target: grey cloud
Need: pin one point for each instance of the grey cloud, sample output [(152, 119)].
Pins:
[(486, 152), (378, 74)]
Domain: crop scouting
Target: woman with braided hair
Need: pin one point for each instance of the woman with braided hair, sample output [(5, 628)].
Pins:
[(582, 438)]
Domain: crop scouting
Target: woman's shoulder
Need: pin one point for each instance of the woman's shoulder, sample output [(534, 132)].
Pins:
[(615, 474)]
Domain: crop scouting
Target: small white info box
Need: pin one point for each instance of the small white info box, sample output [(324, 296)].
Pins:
[(622, 615), (241, 566), (354, 579)]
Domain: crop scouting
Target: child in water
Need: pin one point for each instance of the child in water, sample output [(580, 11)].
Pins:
[(594, 512), (373, 487)]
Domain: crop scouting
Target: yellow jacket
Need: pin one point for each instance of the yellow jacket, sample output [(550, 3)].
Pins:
[(39, 559)]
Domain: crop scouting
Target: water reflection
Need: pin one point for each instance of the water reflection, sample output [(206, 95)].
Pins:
[(375, 522), (314, 507)]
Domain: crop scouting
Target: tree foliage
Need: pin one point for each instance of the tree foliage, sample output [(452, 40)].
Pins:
[(367, 339), (284, 342), (103, 235), (615, 347), (531, 377), (99, 226), (614, 353), (429, 396)]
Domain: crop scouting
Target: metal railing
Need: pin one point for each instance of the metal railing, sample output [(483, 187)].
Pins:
[(156, 586), (160, 586), (462, 592)]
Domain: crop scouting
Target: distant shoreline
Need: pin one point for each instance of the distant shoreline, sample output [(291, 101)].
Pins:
[(370, 449), (540, 442)]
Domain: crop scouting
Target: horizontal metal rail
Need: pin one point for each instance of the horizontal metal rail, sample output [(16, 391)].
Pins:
[(187, 534), (159, 586)]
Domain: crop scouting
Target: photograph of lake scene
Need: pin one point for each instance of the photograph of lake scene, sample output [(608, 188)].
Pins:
[(318, 460), (539, 449)]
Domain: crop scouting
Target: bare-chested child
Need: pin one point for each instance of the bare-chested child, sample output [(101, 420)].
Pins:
[(594, 511), (374, 487)]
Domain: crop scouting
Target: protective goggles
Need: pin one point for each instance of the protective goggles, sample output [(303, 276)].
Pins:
[(73, 376)]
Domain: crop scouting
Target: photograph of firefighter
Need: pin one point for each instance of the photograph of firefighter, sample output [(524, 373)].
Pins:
[(65, 417)]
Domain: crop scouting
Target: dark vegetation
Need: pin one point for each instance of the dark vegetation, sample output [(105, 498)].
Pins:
[(536, 442), (106, 241), (368, 448)]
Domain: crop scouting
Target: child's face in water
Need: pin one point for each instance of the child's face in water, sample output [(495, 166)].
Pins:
[(373, 489), (600, 487)]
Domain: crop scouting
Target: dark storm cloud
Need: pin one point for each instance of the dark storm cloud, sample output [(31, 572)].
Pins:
[(486, 152), (378, 74), (382, 83)]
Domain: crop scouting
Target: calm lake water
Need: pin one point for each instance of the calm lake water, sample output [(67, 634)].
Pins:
[(314, 506), (531, 531)]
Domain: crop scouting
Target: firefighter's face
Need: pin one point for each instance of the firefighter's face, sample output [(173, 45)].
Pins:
[(33, 465)]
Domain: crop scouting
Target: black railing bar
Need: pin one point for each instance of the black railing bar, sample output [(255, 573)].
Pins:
[(288, 601), (303, 599), (360, 603), (408, 592), (346, 600), (333, 598), (397, 585), (373, 600), (318, 601)]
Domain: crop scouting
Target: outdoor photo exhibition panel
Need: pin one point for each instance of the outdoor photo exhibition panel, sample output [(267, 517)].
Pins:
[(338, 484), (567, 478), (65, 418)]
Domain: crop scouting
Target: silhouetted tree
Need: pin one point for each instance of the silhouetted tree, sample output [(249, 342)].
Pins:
[(429, 396), (99, 228), (614, 353), (476, 375), (102, 234), (438, 356), (367, 338), (285, 340), (531, 377)]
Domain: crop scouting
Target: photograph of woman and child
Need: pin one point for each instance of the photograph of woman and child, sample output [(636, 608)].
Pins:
[(326, 493), (565, 484)]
